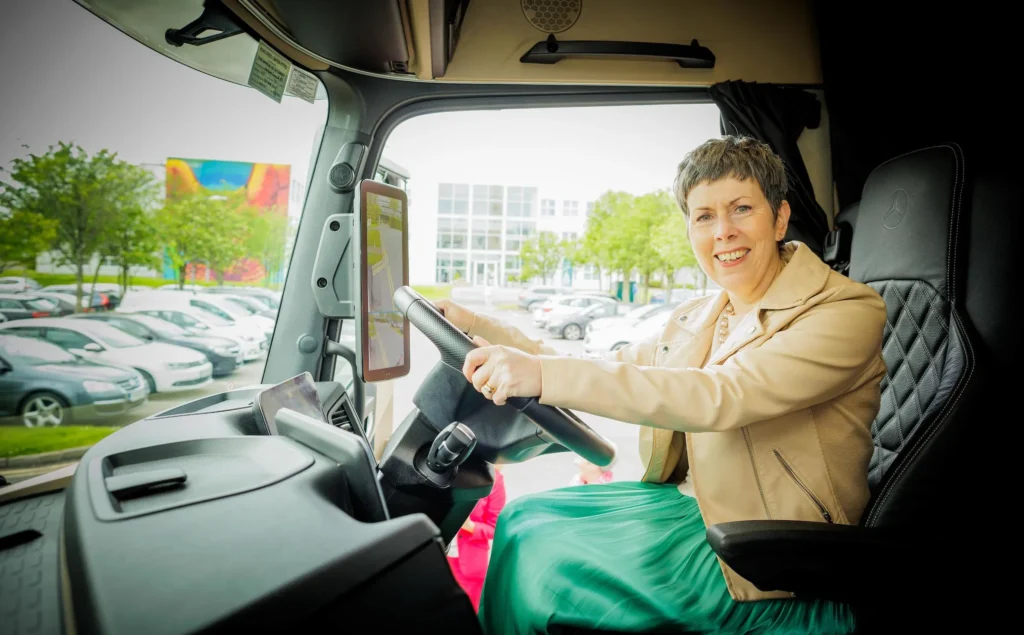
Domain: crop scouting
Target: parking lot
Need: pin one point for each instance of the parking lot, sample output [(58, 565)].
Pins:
[(539, 474)]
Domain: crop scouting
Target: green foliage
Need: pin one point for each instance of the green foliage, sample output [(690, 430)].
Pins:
[(198, 228), (85, 196), (266, 242), (541, 256), (23, 235)]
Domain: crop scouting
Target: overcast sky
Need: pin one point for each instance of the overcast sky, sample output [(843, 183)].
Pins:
[(68, 76)]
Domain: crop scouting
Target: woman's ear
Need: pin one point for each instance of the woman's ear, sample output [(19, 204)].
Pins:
[(782, 220)]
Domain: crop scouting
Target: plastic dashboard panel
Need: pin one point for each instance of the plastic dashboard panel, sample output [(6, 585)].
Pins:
[(265, 532)]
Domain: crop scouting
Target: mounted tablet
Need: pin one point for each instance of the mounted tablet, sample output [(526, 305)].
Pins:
[(382, 330)]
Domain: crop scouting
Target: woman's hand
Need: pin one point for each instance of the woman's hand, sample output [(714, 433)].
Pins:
[(458, 315), (469, 526), (500, 372)]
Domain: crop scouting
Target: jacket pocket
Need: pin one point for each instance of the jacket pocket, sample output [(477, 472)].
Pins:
[(803, 487)]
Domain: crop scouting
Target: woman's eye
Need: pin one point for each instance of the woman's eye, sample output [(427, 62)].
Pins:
[(703, 217), (742, 209)]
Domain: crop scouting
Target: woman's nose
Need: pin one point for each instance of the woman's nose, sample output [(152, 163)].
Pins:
[(724, 227)]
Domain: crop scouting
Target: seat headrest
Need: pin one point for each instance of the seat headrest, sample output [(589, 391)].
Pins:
[(908, 218)]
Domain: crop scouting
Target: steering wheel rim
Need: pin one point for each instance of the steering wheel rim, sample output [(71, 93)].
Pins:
[(562, 424)]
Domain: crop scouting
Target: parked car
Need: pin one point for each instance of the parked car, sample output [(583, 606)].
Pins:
[(533, 297), (268, 296), (15, 284), (572, 322), (681, 295), (93, 298), (207, 303), (199, 322), (599, 343), (561, 303), (634, 316), (250, 305), (44, 386), (189, 310), (166, 368), (65, 301), (224, 354), (22, 306)]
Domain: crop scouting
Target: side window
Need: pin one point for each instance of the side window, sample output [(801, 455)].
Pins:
[(10, 304), (24, 331), (66, 339)]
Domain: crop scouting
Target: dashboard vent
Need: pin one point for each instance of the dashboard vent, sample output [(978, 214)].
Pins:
[(340, 419)]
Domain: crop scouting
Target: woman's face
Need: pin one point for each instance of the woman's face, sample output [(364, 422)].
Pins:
[(734, 235)]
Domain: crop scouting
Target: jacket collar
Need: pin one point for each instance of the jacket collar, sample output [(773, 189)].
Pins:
[(804, 275)]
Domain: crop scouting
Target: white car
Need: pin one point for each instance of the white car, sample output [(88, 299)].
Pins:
[(166, 368), (565, 304), (600, 343), (199, 322), (15, 284), (221, 307), (635, 316)]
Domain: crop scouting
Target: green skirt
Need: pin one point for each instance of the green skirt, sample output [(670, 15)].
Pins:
[(624, 557)]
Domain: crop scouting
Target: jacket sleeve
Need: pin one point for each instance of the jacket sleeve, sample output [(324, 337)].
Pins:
[(825, 352)]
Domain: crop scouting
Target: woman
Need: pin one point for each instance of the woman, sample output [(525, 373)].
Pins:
[(762, 396)]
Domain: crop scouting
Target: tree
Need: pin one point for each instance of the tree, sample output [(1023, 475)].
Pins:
[(133, 240), (268, 234), (81, 193), (23, 235), (200, 228), (541, 256), (600, 247), (673, 247)]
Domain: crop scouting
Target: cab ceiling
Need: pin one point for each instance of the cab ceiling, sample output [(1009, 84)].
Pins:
[(752, 40)]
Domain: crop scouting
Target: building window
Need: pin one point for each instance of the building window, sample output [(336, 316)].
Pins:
[(452, 233), (547, 207), (453, 199), (570, 208), (516, 232), (450, 268), (591, 205), (590, 272), (570, 236), (486, 234), (522, 202), (488, 200)]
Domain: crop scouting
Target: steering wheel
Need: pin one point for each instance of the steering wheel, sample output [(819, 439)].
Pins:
[(562, 424)]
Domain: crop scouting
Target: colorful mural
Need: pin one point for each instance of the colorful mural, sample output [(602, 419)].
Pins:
[(266, 187)]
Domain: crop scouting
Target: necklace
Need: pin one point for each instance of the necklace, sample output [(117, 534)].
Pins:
[(723, 324)]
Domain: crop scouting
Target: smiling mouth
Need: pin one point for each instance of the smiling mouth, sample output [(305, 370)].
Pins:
[(731, 256)]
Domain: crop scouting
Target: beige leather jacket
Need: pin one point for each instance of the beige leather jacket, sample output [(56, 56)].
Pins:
[(774, 425)]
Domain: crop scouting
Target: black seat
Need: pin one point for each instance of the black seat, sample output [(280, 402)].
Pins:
[(910, 245), (839, 242)]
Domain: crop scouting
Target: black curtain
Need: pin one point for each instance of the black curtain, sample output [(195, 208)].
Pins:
[(777, 115)]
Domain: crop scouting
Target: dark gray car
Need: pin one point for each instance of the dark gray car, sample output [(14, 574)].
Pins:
[(571, 323)]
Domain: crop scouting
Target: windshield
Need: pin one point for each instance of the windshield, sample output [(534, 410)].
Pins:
[(242, 304), (32, 352), (158, 326), (654, 323), (40, 304), (112, 337)]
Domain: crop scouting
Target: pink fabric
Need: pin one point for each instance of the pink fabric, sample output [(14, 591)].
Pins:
[(470, 566)]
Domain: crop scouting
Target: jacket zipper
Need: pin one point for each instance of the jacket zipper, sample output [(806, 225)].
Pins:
[(757, 477), (810, 494)]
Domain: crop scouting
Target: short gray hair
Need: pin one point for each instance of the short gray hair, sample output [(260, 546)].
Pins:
[(738, 157)]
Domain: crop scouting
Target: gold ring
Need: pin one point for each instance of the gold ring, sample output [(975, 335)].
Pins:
[(487, 390)]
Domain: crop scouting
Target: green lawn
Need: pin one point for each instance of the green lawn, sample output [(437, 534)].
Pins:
[(16, 441), (434, 292)]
